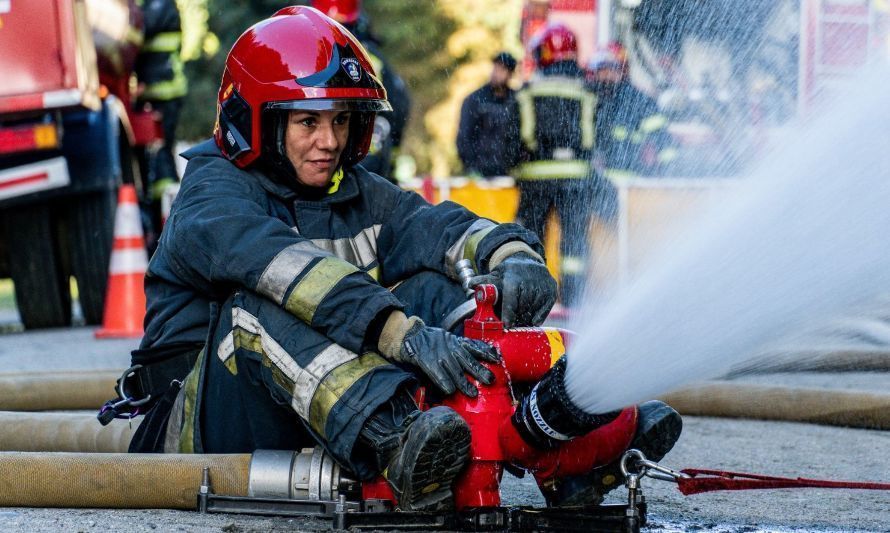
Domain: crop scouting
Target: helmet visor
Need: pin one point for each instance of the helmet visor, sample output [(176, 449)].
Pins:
[(332, 104)]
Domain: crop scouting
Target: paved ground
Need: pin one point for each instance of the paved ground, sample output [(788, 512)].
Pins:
[(779, 448)]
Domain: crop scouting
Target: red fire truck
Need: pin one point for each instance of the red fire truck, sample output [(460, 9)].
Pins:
[(68, 138)]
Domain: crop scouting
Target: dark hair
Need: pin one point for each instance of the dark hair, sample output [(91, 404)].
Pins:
[(504, 58)]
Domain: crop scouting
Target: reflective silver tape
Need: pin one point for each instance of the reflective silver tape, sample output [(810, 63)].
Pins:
[(309, 378), (226, 347), (360, 250), (285, 268), (271, 349), (456, 252)]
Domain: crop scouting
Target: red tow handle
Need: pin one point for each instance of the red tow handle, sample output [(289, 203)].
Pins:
[(701, 480)]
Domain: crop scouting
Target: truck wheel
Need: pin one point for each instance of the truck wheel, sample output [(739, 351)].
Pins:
[(37, 268), (90, 236)]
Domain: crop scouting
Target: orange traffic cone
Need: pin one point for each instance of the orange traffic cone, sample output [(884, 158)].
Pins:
[(125, 296)]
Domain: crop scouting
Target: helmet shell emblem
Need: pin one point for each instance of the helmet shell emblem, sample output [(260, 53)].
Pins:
[(352, 68)]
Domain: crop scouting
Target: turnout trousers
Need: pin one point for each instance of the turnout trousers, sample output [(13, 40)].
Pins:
[(267, 380), (572, 200)]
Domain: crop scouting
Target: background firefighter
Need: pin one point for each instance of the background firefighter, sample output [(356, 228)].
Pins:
[(389, 126), (162, 85), (557, 113), (270, 278), (632, 136)]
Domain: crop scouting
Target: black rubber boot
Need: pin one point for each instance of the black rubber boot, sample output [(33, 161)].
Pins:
[(419, 453), (658, 429)]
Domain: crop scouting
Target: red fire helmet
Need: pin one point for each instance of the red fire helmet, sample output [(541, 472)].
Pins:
[(554, 43), (343, 11), (296, 59)]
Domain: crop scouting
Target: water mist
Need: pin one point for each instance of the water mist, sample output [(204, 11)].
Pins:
[(805, 236)]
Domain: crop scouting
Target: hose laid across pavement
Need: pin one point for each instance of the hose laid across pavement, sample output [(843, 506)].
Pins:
[(116, 481), (63, 432), (47, 391), (857, 409)]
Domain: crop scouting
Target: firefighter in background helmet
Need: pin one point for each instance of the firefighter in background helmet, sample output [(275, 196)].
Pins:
[(389, 126), (557, 111), (632, 136), (269, 286), (162, 85)]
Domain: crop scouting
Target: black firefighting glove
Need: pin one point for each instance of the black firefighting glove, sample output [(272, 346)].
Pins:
[(443, 357), (527, 290)]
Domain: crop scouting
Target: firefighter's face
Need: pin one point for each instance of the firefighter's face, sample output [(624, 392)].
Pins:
[(314, 141)]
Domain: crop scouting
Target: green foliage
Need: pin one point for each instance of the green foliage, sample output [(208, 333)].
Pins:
[(413, 36), (227, 20)]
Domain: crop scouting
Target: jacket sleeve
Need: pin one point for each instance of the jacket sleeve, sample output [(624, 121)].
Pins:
[(418, 236), (466, 138), (220, 236)]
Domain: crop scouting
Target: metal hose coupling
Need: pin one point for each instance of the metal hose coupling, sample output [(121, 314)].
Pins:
[(547, 417)]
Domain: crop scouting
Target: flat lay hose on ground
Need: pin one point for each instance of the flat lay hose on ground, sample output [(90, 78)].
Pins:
[(116, 481)]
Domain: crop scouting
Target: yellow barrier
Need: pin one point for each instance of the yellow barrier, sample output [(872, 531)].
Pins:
[(647, 210)]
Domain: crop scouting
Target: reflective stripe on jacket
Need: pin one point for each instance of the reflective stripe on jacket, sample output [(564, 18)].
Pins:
[(327, 262)]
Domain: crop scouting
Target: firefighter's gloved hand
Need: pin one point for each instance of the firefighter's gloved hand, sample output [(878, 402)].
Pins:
[(444, 358), (526, 288)]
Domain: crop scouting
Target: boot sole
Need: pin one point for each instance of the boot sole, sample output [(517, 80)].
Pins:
[(438, 461)]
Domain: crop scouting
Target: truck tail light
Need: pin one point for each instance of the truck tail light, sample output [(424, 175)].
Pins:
[(24, 138)]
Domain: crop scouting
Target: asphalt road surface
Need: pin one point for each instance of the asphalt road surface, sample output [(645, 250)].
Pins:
[(779, 448)]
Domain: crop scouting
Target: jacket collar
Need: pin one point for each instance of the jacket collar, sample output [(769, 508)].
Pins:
[(348, 185)]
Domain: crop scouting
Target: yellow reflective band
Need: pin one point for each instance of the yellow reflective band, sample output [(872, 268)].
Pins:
[(588, 117), (544, 170), (615, 174), (165, 90), (315, 285), (557, 346), (168, 89), (619, 133), (473, 243), (169, 41), (158, 187), (134, 36), (190, 411), (667, 155), (334, 385), (285, 267), (569, 89), (375, 273), (560, 87), (653, 123), (335, 181), (527, 119)]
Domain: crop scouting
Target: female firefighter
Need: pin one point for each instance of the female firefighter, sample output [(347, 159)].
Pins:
[(269, 284), (269, 321)]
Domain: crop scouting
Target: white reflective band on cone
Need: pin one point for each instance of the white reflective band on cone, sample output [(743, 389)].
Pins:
[(127, 221), (128, 262)]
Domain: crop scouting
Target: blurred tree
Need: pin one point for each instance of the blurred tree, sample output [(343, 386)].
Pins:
[(413, 37), (443, 51)]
